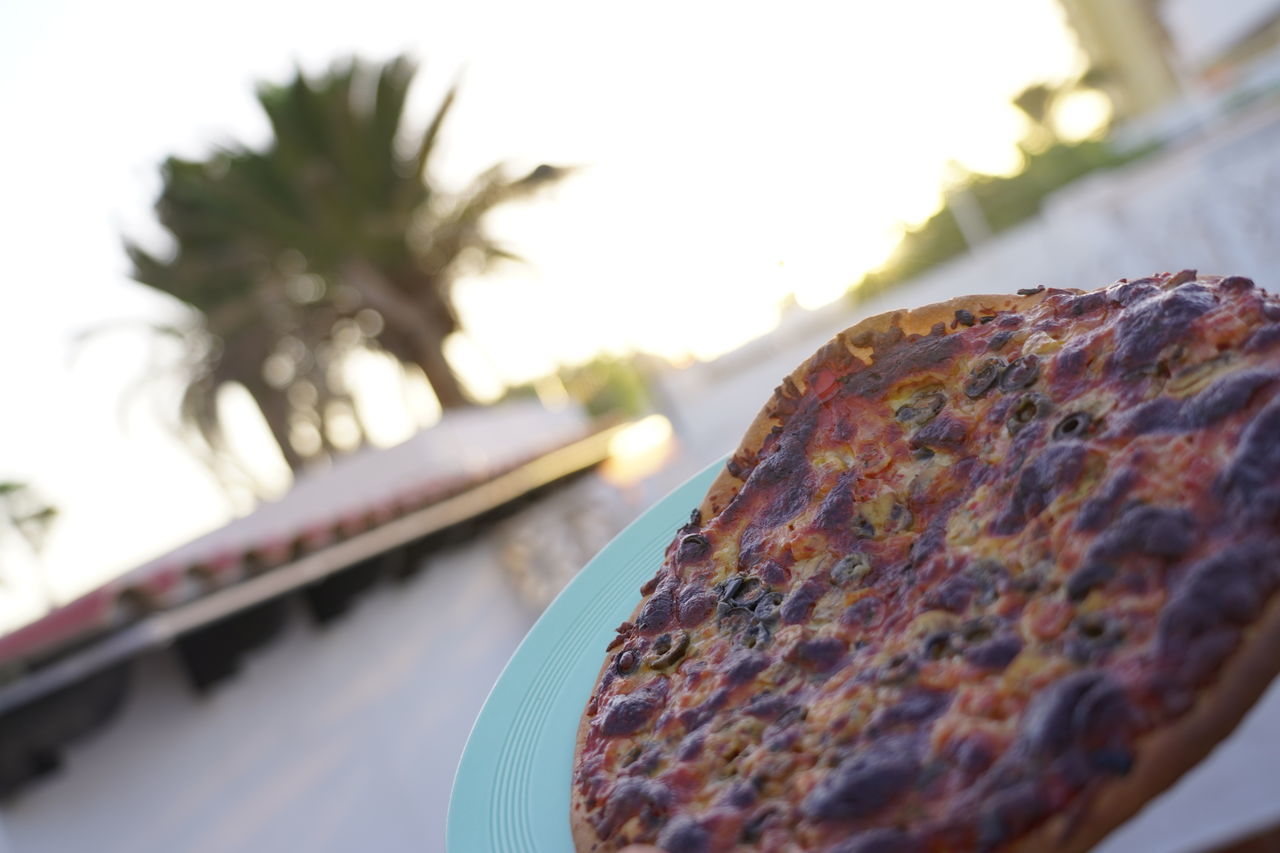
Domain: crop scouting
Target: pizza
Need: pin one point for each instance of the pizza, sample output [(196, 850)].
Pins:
[(984, 575)]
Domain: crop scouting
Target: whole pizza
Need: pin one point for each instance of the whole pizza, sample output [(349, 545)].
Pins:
[(985, 575)]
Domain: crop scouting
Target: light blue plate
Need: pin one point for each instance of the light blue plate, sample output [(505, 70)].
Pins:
[(511, 792)]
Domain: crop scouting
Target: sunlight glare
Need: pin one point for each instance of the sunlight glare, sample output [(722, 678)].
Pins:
[(638, 450), (249, 439), (478, 369), (377, 386), (1082, 114)]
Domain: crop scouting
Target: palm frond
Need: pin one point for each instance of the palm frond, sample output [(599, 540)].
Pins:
[(332, 196)]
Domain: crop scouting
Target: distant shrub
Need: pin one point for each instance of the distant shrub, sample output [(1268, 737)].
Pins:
[(1003, 201)]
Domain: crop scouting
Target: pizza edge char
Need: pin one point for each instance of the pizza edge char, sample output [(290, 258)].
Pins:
[(1161, 757)]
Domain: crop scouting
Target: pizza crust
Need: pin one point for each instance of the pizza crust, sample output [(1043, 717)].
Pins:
[(584, 836)]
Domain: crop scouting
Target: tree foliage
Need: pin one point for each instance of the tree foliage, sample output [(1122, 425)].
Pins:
[(1048, 164), (331, 239), (25, 512)]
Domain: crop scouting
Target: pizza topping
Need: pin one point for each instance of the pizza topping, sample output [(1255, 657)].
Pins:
[(1220, 591), (1192, 378), (1095, 635), (1256, 462), (898, 669), (864, 613), (995, 654), (1069, 365), (1095, 512), (988, 576), (1087, 578), (1228, 395), (743, 665), (918, 705), (1183, 277), (1157, 320), (766, 610), (1076, 425), (626, 662), (851, 569), (1010, 813), (953, 594), (1154, 530), (983, 376), (634, 797), (896, 361), (683, 834), (1022, 372), (921, 408), (740, 591), (799, 604), (667, 650), (938, 644), (698, 716), (695, 605), (864, 784), (944, 433), (1060, 715), (1224, 398), (818, 654), (1264, 338), (1028, 408), (1126, 293), (744, 627), (998, 340), (628, 713), (1046, 618), (882, 840), (694, 546), (1051, 473), (656, 613)]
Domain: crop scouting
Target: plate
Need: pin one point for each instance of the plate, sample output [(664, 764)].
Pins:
[(511, 791)]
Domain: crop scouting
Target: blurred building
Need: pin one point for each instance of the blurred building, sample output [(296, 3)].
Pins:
[(1169, 65), (1128, 50), (1214, 39)]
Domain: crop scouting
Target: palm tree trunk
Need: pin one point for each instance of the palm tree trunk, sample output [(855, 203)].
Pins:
[(427, 336), (444, 382)]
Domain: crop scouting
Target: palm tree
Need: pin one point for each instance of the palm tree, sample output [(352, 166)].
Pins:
[(335, 186), (25, 512), (217, 272), (335, 205)]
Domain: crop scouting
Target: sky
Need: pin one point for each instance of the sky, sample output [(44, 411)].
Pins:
[(728, 154)]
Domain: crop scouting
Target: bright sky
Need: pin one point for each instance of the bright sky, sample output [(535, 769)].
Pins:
[(733, 152)]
